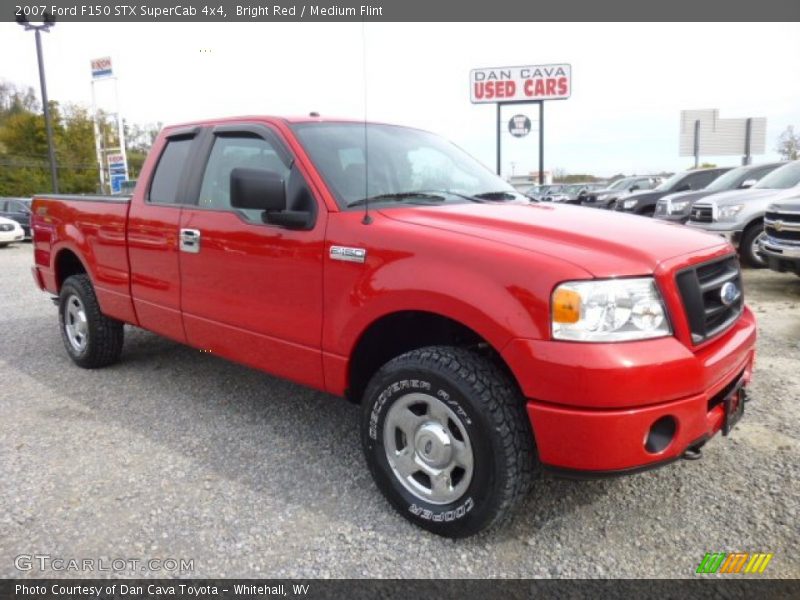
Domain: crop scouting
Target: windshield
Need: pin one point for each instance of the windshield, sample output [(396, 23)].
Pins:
[(404, 165), (669, 183), (620, 183), (573, 189), (727, 180), (782, 178)]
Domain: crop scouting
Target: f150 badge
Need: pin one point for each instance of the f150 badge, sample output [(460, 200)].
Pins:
[(344, 253)]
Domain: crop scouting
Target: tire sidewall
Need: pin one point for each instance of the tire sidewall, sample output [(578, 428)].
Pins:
[(70, 288), (750, 254), (477, 505)]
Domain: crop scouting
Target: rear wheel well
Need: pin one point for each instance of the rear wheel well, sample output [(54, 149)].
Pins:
[(397, 333), (67, 264)]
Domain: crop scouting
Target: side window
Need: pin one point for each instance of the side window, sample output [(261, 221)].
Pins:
[(167, 177), (759, 173), (228, 153), (698, 181)]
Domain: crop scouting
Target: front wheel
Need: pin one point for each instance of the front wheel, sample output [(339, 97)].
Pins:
[(447, 440), (92, 339), (749, 249)]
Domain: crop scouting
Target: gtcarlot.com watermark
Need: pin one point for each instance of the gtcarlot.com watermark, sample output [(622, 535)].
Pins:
[(46, 562)]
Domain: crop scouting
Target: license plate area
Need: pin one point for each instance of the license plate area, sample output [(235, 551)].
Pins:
[(733, 403)]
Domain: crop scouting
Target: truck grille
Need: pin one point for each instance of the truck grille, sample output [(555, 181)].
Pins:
[(783, 226), (701, 213), (709, 309)]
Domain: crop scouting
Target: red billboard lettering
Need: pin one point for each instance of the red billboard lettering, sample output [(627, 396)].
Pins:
[(495, 89)]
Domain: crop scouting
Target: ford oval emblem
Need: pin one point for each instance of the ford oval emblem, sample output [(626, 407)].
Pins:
[(729, 293)]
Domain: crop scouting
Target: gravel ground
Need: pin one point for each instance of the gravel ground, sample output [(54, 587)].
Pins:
[(177, 454)]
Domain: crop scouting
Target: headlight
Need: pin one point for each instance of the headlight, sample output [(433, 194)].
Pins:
[(608, 310), (728, 212), (678, 207), (602, 196), (628, 204)]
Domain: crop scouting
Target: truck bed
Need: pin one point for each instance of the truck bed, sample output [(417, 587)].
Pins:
[(92, 228)]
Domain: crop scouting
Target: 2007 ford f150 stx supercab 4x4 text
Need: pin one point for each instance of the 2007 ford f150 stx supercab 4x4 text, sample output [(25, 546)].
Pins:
[(483, 334)]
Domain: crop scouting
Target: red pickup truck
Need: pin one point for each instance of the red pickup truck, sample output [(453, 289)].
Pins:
[(485, 335)]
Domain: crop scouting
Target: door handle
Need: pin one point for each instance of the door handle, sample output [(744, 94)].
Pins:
[(190, 240)]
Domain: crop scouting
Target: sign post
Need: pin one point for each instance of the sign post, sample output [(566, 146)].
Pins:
[(532, 84), (102, 69)]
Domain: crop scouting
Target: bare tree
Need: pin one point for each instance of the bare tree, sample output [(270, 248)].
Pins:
[(789, 144)]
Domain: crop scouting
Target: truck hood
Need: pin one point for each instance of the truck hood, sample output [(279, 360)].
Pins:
[(738, 196), (690, 196), (606, 244), (792, 204)]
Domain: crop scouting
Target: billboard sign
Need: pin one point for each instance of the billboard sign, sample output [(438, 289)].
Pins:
[(519, 126), (101, 67), (520, 84), (720, 137)]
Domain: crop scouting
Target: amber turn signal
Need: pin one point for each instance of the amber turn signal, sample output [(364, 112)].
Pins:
[(566, 306)]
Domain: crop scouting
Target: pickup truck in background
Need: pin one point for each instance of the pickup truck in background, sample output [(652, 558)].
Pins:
[(484, 335), (644, 203), (738, 215), (677, 207), (780, 244)]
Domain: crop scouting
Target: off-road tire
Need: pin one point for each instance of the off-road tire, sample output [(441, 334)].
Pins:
[(491, 411), (104, 335)]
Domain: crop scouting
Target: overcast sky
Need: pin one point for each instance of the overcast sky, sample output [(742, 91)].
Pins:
[(630, 81)]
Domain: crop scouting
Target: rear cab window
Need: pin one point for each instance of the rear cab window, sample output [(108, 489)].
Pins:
[(165, 187)]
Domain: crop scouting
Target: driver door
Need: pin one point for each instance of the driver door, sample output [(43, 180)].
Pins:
[(250, 291)]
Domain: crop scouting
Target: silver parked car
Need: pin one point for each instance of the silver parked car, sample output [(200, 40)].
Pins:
[(738, 215)]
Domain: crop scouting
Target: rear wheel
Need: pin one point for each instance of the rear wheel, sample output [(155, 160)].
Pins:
[(447, 440), (748, 246), (92, 339)]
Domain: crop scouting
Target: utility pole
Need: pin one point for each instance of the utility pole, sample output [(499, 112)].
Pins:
[(49, 21)]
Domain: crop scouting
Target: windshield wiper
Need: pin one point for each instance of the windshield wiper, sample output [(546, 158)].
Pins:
[(500, 195), (399, 197)]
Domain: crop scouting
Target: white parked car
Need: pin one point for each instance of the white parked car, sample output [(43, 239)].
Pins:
[(10, 231)]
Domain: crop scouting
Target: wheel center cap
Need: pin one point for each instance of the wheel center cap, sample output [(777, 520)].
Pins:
[(433, 445)]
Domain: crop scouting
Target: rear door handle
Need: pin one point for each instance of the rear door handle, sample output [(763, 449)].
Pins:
[(190, 240)]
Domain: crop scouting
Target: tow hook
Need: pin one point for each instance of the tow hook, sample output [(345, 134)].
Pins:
[(693, 453)]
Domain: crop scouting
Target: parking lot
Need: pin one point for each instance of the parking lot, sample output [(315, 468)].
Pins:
[(173, 453)]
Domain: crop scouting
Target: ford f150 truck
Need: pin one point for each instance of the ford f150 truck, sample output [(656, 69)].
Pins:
[(780, 244), (738, 215), (483, 334)]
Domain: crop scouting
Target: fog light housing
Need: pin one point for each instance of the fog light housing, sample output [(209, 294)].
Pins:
[(661, 434)]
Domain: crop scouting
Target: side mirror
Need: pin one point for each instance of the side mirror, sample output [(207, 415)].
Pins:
[(748, 183), (257, 189), (633, 188), (684, 188)]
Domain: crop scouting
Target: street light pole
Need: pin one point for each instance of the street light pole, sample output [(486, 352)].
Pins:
[(49, 21)]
